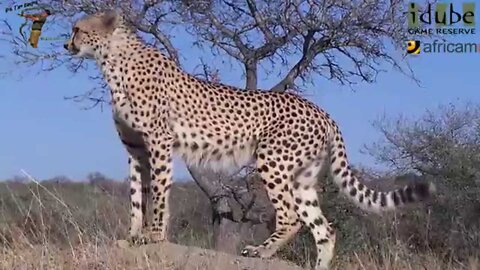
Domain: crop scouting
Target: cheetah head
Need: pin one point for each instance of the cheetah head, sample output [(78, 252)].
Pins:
[(92, 33)]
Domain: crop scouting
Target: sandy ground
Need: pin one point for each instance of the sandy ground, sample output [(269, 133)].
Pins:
[(164, 256)]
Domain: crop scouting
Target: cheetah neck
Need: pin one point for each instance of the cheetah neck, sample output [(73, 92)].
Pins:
[(111, 59), (124, 46), (118, 48), (122, 50)]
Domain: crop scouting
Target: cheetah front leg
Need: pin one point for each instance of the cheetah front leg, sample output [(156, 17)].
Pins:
[(139, 180), (160, 159), (139, 177)]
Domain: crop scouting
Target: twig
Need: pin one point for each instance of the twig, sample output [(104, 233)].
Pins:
[(359, 261)]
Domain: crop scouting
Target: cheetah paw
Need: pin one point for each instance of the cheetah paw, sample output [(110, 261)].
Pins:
[(137, 240), (131, 241), (250, 251), (257, 251), (122, 243), (154, 237)]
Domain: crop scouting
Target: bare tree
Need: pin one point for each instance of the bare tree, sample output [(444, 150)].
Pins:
[(341, 40), (347, 41), (443, 144)]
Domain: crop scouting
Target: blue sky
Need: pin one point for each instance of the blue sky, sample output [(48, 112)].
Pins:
[(47, 136)]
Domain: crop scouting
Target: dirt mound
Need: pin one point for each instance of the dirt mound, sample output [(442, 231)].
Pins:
[(172, 256), (164, 256)]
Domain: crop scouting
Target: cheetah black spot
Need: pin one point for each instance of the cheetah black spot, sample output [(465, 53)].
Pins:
[(402, 195), (296, 185), (322, 241), (375, 196), (160, 170), (421, 190), (318, 221), (409, 193), (383, 199), (395, 198), (360, 186)]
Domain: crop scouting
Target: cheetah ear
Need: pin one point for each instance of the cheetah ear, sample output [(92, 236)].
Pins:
[(110, 19)]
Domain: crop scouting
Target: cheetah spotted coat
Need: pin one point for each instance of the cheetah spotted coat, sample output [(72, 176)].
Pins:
[(160, 110)]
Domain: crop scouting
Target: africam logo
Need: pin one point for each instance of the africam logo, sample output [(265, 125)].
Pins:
[(413, 47), (436, 46)]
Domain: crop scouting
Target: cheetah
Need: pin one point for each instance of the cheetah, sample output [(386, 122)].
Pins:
[(159, 110)]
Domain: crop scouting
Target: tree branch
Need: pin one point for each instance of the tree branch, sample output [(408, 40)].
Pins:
[(309, 52), (162, 38)]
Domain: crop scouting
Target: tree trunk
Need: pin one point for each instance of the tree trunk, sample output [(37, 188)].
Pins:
[(227, 235), (240, 213), (241, 210), (251, 75)]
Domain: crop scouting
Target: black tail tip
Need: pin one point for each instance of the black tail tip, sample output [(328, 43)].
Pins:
[(424, 190)]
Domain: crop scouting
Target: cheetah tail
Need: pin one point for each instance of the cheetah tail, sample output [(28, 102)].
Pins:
[(366, 197)]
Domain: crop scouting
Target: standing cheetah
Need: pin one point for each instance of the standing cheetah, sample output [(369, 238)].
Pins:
[(160, 110)]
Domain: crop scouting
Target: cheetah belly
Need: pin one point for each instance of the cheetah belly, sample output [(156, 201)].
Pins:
[(198, 149)]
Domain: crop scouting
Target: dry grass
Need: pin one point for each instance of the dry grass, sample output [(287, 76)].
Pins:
[(74, 226), (81, 257)]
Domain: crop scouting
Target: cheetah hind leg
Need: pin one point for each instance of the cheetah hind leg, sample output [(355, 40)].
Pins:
[(308, 209), (277, 181)]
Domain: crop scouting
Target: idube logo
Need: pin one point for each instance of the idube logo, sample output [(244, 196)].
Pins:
[(447, 18)]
